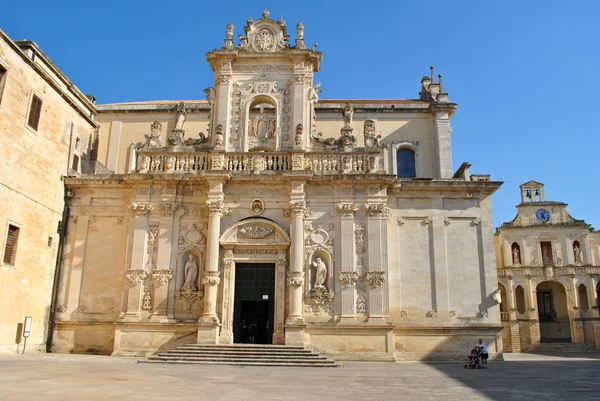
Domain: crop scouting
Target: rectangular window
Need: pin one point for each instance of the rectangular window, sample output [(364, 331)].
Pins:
[(35, 111), (75, 162), (10, 249), (77, 144), (3, 75)]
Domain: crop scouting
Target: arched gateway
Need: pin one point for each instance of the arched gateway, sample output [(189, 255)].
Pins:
[(254, 260)]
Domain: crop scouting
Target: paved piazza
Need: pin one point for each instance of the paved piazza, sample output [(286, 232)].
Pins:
[(85, 377)]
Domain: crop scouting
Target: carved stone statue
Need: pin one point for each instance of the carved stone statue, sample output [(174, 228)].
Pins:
[(211, 96), (313, 93), (516, 256), (191, 272), (320, 274), (262, 127), (229, 34), (153, 140), (219, 135), (180, 119), (577, 253), (300, 31), (348, 112)]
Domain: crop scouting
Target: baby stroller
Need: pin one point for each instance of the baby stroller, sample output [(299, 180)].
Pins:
[(474, 361)]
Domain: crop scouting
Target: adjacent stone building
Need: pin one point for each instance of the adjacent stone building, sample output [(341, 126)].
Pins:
[(46, 131), (337, 224), (549, 273)]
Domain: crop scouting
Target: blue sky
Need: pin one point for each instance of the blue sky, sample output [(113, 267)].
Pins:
[(522, 72)]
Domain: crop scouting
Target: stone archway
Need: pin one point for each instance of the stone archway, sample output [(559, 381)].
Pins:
[(253, 240), (553, 312)]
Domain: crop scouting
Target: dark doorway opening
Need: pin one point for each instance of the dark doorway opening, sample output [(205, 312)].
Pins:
[(254, 304)]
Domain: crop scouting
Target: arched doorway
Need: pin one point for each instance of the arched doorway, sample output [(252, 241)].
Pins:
[(254, 263), (553, 312)]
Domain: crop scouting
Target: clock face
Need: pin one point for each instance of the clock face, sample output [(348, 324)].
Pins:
[(542, 215)]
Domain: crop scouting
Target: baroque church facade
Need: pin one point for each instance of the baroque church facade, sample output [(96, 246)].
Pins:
[(549, 275), (335, 224)]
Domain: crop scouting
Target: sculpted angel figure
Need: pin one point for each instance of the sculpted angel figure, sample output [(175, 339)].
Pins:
[(191, 271), (516, 257), (321, 273), (313, 93)]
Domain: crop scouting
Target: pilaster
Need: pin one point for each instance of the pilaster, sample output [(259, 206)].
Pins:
[(228, 267), (347, 276), (376, 275), (442, 131)]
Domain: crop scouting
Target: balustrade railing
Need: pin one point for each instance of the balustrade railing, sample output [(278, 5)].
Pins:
[(320, 163), (505, 316)]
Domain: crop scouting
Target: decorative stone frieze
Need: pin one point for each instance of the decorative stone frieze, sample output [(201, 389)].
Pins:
[(169, 209), (147, 300), (152, 234), (347, 210), (359, 231), (218, 207), (136, 276), (348, 279), (256, 232), (161, 277), (375, 278), (140, 209), (295, 279), (211, 278), (377, 210)]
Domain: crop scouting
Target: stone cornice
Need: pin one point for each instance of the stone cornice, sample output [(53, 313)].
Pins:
[(542, 226), (488, 187)]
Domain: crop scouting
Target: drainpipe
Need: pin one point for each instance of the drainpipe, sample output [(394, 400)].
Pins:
[(62, 229)]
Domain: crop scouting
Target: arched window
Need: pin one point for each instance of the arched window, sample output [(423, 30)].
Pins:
[(520, 296), (406, 163), (583, 299)]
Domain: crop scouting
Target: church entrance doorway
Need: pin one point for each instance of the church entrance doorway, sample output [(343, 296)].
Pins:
[(254, 303), (553, 312)]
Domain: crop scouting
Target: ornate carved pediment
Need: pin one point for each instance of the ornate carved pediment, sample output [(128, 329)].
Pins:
[(264, 35), (255, 232)]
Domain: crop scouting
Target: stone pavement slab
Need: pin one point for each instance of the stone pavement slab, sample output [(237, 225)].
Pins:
[(63, 377)]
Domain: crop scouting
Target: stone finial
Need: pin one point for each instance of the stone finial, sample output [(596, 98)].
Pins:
[(441, 85), (266, 14), (250, 21), (300, 31), (432, 74), (281, 20)]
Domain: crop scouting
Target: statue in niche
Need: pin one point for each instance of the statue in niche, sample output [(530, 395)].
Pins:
[(577, 253), (180, 119), (191, 271), (298, 137), (261, 126), (347, 113), (320, 274), (516, 256)]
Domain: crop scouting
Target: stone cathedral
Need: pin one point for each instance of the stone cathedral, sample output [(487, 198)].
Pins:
[(335, 224)]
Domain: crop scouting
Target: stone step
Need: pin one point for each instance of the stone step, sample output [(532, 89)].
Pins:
[(239, 354), (243, 355), (246, 363), (563, 347), (246, 346)]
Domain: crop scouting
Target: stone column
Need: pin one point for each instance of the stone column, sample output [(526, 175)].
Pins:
[(515, 332), (532, 312), (348, 275), (211, 279), (377, 215), (298, 211), (575, 314), (228, 264), (595, 312)]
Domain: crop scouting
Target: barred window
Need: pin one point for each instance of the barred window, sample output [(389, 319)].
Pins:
[(35, 111), (10, 249)]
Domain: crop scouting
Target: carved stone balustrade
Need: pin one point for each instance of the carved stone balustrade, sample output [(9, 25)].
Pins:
[(548, 271), (166, 160)]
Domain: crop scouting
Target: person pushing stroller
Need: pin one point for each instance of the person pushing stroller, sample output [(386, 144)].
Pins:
[(479, 356)]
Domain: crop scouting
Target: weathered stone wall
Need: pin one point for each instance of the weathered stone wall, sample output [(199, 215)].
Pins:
[(32, 193)]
